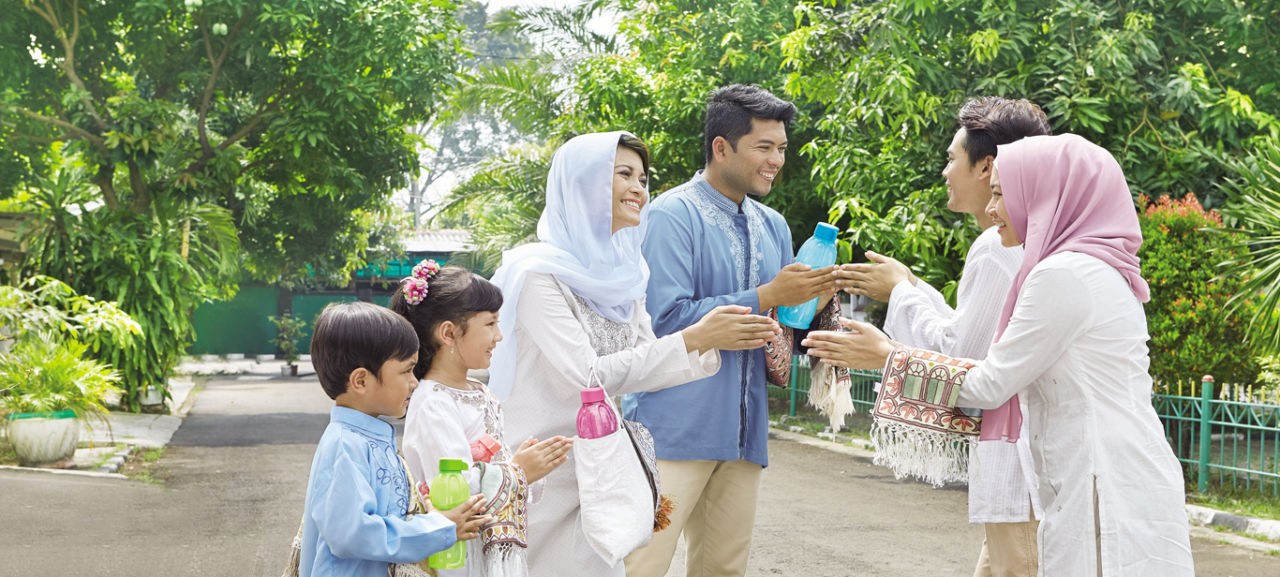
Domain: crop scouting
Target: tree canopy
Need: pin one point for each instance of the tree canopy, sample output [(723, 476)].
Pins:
[(1173, 89), (172, 144), (289, 114)]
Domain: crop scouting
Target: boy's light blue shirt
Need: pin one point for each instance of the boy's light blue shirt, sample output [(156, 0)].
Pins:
[(354, 521), (706, 251)]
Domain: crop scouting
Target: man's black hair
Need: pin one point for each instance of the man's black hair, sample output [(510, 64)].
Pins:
[(991, 121), (730, 110)]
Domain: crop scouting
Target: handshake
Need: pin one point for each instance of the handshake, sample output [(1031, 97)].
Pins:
[(798, 283)]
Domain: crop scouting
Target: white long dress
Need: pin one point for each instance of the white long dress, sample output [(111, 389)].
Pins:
[(559, 336), (442, 423), (1109, 482)]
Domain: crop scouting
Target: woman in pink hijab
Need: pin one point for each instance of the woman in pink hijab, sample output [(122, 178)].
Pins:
[(1072, 342)]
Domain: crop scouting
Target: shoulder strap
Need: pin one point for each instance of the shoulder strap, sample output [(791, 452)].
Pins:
[(416, 506)]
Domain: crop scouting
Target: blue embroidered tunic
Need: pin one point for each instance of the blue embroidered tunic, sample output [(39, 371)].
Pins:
[(354, 520), (706, 251)]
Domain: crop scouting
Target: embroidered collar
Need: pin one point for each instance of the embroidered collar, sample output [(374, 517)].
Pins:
[(374, 426), (717, 199)]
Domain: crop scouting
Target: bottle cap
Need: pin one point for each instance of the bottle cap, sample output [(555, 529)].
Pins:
[(484, 449), (452, 465), (825, 232), (592, 395)]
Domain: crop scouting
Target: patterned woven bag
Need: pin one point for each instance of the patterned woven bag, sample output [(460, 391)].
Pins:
[(642, 440), (917, 430), (829, 387)]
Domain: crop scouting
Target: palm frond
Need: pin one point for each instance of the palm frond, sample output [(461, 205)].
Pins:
[(569, 26), (500, 203), (525, 94), (1254, 206)]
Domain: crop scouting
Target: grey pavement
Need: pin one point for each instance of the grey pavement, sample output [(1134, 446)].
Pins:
[(232, 479), (150, 430), (227, 501)]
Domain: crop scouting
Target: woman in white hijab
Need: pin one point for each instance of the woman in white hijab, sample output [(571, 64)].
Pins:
[(573, 317)]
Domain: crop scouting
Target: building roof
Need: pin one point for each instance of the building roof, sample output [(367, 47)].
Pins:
[(449, 240)]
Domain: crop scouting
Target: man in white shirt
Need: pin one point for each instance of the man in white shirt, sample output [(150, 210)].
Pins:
[(1001, 475)]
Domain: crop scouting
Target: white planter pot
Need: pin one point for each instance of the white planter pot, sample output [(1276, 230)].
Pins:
[(151, 396), (40, 438)]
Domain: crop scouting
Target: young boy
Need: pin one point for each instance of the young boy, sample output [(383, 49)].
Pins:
[(354, 522)]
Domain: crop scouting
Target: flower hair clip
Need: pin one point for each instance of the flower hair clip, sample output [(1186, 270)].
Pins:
[(426, 269), (415, 287)]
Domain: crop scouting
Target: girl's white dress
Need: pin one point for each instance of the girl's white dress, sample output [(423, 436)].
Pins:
[(442, 423)]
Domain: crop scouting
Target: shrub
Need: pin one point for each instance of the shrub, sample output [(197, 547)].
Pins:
[(288, 332), (1192, 333), (42, 374)]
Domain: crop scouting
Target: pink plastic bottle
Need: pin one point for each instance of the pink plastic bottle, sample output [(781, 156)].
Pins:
[(595, 418)]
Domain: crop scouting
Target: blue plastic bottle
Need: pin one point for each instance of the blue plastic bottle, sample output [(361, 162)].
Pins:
[(818, 252)]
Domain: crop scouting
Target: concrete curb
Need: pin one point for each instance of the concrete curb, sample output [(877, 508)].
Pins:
[(116, 461), (1196, 514), (803, 439), (1250, 525), (64, 472)]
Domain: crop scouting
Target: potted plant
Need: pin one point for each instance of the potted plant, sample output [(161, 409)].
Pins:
[(48, 391), (288, 333)]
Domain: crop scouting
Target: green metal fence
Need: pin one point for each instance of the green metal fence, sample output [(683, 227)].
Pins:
[(1231, 440), (797, 393), (1227, 435)]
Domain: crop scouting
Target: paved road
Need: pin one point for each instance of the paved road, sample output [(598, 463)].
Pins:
[(235, 471)]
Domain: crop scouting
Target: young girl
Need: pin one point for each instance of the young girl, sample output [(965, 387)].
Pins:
[(452, 416)]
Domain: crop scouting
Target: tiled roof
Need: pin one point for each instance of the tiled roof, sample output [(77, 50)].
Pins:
[(447, 240)]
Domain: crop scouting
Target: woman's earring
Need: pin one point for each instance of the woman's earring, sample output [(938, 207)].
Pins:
[(450, 350)]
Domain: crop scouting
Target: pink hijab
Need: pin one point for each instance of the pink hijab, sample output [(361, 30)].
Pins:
[(1063, 194)]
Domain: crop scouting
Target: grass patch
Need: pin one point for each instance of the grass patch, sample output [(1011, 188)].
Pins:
[(153, 455), (144, 466), (1240, 502)]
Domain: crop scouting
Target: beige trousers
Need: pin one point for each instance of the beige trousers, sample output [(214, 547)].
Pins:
[(715, 507), (1009, 550)]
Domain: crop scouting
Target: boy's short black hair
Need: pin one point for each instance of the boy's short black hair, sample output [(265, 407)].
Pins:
[(730, 110), (991, 121), (356, 335)]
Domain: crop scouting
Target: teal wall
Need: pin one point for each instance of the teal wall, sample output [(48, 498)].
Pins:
[(239, 325), (308, 307)]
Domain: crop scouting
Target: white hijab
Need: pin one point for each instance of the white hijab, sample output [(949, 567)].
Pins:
[(576, 244)]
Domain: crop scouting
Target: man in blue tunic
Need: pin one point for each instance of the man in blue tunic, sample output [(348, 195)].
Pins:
[(710, 244)]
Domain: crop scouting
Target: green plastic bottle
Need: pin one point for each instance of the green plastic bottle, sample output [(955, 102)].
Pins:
[(448, 490)]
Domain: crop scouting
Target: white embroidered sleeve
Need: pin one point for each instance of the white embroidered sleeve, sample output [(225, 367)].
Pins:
[(652, 364), (919, 317)]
